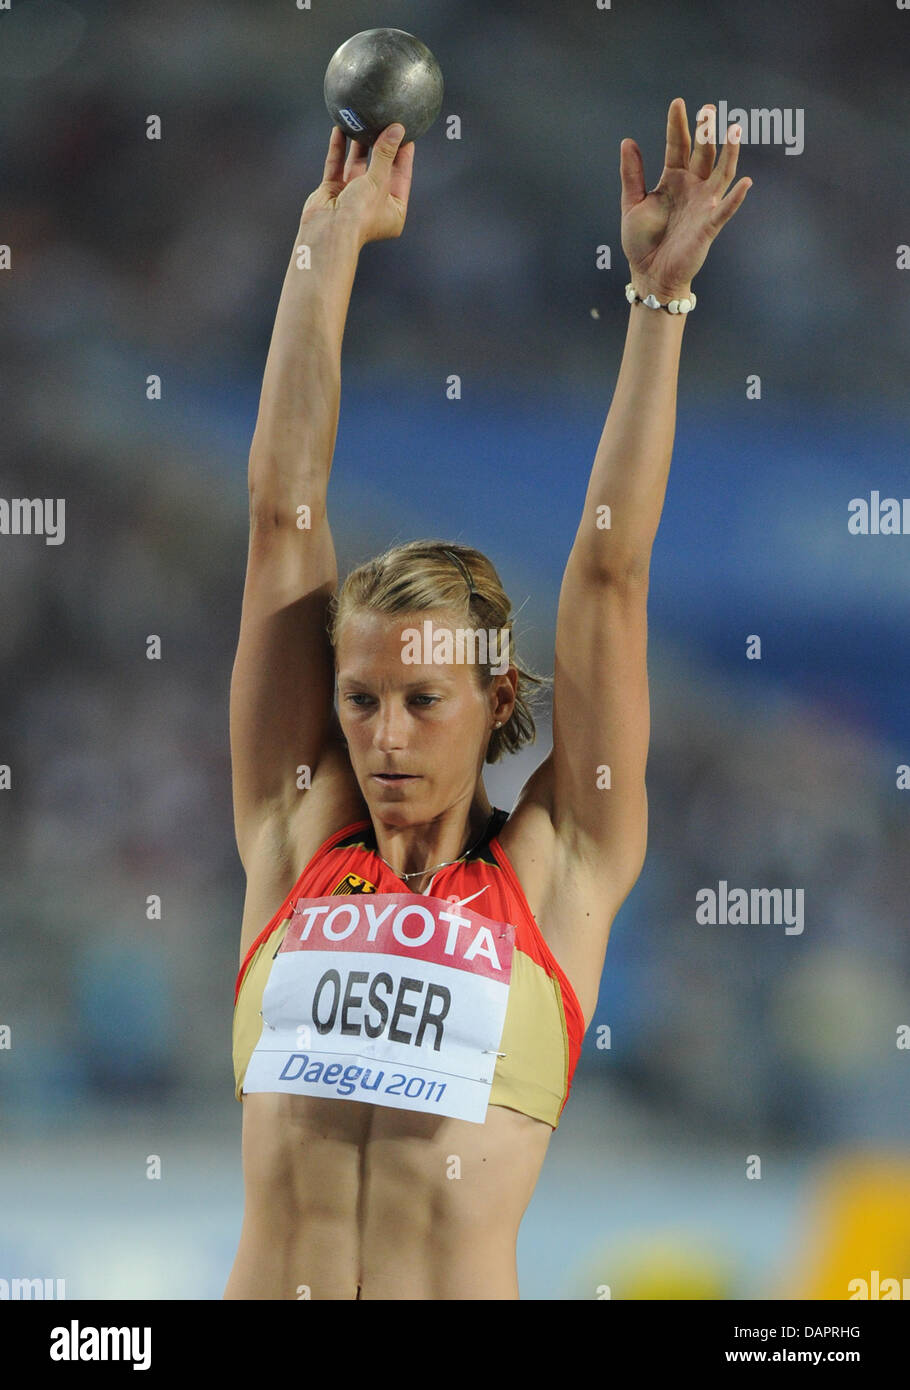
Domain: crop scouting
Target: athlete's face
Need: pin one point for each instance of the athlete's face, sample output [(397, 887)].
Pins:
[(428, 722)]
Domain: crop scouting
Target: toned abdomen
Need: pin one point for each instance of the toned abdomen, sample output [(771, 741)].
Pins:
[(342, 1195)]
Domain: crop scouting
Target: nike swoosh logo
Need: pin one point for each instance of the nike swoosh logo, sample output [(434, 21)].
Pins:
[(461, 901)]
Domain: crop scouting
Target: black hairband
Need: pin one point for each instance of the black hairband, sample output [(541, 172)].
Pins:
[(452, 556)]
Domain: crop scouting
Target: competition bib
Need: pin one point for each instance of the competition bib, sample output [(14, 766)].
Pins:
[(392, 998)]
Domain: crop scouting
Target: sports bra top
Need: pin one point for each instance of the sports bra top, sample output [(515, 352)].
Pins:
[(544, 1023)]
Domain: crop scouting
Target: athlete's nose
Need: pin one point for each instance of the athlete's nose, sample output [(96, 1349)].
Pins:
[(390, 732)]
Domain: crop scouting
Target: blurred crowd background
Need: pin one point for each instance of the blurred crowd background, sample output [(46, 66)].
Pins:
[(132, 257)]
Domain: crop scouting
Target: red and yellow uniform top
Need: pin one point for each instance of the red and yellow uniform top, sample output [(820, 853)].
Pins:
[(544, 1024)]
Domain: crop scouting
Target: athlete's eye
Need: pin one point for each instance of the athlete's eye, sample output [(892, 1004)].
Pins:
[(358, 696)]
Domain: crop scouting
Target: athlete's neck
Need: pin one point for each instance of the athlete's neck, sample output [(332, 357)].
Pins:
[(419, 849)]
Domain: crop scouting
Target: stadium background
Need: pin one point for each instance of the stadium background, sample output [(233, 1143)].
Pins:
[(132, 257)]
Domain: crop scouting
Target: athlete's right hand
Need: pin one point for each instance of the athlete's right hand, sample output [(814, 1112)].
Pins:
[(371, 199)]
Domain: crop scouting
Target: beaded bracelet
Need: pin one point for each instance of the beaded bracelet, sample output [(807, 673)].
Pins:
[(675, 306)]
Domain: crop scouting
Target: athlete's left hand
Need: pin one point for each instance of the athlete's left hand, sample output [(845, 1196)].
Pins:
[(667, 233)]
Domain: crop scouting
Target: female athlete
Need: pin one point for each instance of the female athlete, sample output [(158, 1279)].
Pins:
[(417, 966)]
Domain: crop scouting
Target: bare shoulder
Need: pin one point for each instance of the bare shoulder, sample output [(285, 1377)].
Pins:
[(287, 838), (333, 800), (529, 839), (568, 890)]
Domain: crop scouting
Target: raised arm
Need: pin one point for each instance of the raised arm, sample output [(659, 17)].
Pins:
[(281, 703), (601, 711)]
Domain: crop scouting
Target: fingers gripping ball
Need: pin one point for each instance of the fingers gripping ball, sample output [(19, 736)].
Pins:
[(380, 76)]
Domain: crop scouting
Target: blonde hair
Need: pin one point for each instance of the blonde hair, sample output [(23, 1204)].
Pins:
[(423, 575)]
